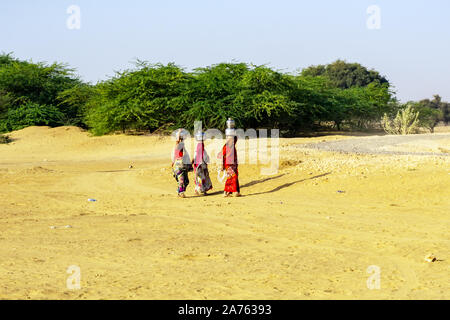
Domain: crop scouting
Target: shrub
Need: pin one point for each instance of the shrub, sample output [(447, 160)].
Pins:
[(23, 83), (162, 97), (31, 115), (4, 139), (405, 122), (428, 117), (144, 98), (35, 82)]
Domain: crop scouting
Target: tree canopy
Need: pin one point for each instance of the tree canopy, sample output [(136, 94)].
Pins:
[(346, 75), (31, 90), (157, 96)]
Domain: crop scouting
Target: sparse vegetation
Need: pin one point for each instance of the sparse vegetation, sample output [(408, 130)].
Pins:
[(405, 122), (4, 139), (432, 112), (31, 114)]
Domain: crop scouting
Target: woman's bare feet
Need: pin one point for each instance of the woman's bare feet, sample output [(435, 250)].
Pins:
[(237, 194), (181, 195), (225, 194)]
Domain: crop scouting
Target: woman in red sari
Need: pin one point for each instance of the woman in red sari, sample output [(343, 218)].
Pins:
[(230, 165)]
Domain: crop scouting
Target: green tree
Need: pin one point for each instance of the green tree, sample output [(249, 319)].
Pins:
[(437, 104), (144, 98), (155, 96), (213, 95), (266, 96), (23, 83), (31, 114), (429, 117), (6, 59), (39, 83), (74, 102), (316, 101), (345, 75)]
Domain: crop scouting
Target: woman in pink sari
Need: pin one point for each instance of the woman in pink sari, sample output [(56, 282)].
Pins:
[(200, 163)]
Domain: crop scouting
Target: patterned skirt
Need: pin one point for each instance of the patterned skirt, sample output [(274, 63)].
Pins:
[(202, 180), (180, 173)]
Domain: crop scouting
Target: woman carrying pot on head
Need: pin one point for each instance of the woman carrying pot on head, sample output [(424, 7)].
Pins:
[(230, 162), (181, 164), (200, 163)]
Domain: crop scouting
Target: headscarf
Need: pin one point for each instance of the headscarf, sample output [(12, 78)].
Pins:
[(229, 152)]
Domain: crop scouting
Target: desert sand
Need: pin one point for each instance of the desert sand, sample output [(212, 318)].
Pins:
[(310, 231)]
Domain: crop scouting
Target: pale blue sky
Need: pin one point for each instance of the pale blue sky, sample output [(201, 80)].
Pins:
[(412, 48)]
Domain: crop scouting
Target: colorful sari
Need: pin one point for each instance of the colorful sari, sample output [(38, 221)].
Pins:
[(230, 165), (180, 167), (202, 180)]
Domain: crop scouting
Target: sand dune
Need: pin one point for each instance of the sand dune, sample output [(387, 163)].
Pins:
[(291, 236)]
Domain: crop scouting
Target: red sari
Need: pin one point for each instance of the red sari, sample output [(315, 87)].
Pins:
[(230, 165)]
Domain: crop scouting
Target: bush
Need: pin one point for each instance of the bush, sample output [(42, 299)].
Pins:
[(433, 111), (428, 117), (144, 98), (4, 139), (24, 83), (31, 115), (405, 122), (155, 96), (346, 75), (73, 103), (39, 83)]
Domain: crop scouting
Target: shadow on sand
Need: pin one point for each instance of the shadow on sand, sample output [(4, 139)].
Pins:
[(249, 184), (112, 171), (261, 181), (287, 185)]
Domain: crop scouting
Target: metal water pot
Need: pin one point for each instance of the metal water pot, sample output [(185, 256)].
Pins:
[(230, 123)]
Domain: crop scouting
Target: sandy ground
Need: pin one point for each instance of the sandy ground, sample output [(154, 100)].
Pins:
[(416, 144), (309, 231)]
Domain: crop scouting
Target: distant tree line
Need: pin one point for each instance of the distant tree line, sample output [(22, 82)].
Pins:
[(431, 112), (155, 97)]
